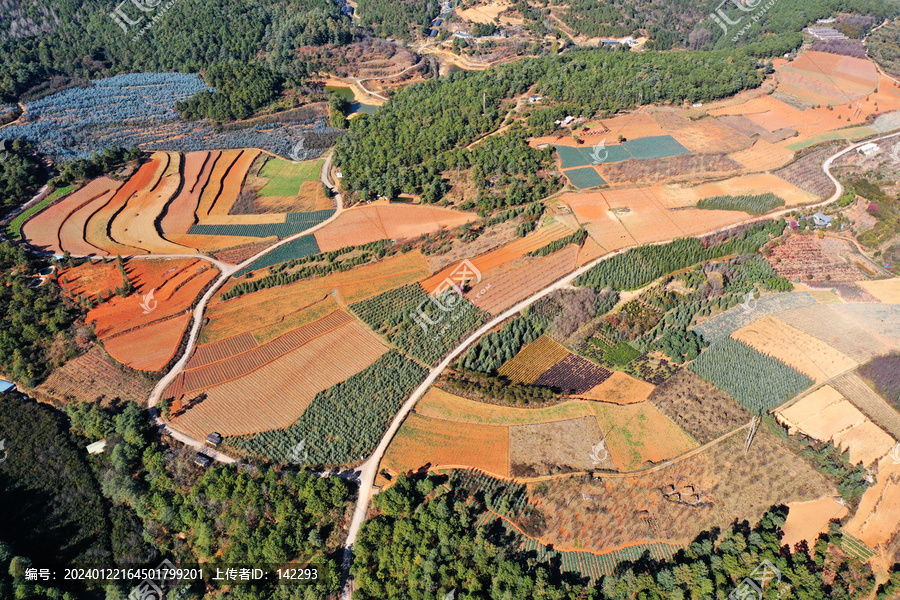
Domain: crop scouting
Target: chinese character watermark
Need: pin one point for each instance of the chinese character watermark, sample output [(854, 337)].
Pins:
[(746, 7), (139, 14)]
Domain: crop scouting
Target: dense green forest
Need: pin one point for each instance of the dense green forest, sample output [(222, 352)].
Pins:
[(240, 90), (404, 146), (36, 335), (21, 174), (188, 37), (398, 19), (424, 544), (137, 503)]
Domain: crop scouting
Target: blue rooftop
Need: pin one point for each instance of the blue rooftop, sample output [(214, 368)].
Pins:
[(6, 386)]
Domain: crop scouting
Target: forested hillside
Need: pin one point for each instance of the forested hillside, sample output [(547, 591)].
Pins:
[(401, 148)]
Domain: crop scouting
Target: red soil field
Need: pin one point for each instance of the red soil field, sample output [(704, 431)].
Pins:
[(502, 288), (179, 215), (145, 178), (392, 221), (213, 188), (72, 231), (234, 180), (238, 365), (151, 347), (502, 256), (43, 230), (427, 441), (122, 323), (274, 396)]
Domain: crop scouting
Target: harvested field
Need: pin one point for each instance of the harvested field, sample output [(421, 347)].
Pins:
[(274, 396), (763, 156), (638, 435), (826, 324), (502, 288), (94, 377), (239, 254), (827, 416), (233, 182), (886, 290), (619, 388), (698, 407), (657, 170), (791, 346), (298, 318), (801, 257), (214, 243), (807, 520), (48, 229), (557, 447), (758, 382), (573, 375), (269, 307), (701, 135), (533, 360), (235, 366), (132, 349), (365, 224), (825, 78), (730, 486), (180, 212), (423, 441), (877, 518), (745, 185), (726, 323), (135, 224), (206, 354), (880, 320), (500, 257), (438, 404), (72, 230)]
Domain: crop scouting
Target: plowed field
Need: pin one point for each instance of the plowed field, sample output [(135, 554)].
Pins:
[(423, 441), (231, 186), (878, 517), (620, 388), (274, 396), (886, 290), (393, 222), (213, 189), (807, 520), (180, 211), (151, 347)]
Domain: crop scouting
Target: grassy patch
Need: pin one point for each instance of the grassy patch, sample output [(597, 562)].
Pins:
[(15, 227), (285, 177)]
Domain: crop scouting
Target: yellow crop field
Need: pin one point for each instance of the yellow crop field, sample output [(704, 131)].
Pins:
[(532, 360)]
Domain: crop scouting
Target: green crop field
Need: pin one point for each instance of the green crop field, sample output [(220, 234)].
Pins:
[(15, 227), (657, 146), (758, 382), (293, 223), (303, 246), (285, 177), (586, 177), (754, 205)]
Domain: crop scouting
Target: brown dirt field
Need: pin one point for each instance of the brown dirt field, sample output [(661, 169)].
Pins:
[(425, 441), (698, 407), (272, 306), (824, 78), (96, 226), (71, 232), (736, 486), (701, 135), (239, 254), (795, 348), (684, 167), (235, 366), (135, 224), (638, 435), (590, 250), (43, 229), (394, 221), (807, 520), (503, 288), (438, 404), (867, 443), (877, 518), (206, 354), (839, 331), (484, 13), (808, 406), (557, 447), (621, 388), (886, 290), (274, 396), (502, 256), (216, 243), (532, 360), (180, 211), (296, 319), (90, 278), (646, 219), (132, 349), (213, 188), (233, 182), (629, 126), (94, 377), (760, 183)]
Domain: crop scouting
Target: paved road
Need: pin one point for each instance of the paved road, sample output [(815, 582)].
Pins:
[(369, 468)]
